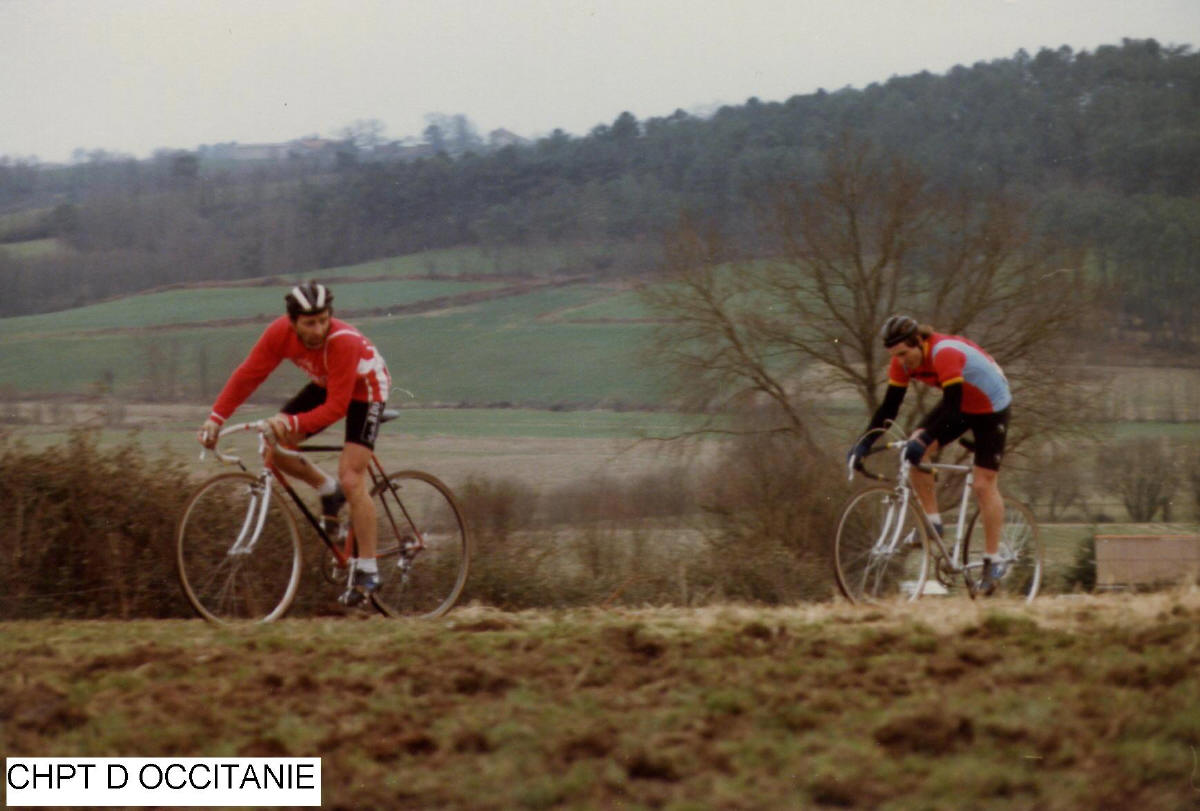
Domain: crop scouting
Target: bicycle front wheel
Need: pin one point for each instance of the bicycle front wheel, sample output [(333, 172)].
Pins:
[(881, 551), (424, 550), (1020, 549), (238, 550)]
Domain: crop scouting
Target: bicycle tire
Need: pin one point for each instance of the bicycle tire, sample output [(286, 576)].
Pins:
[(863, 574), (1020, 543), (224, 584), (437, 574)]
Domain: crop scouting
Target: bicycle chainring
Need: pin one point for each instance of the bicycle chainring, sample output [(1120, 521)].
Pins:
[(945, 573), (331, 571)]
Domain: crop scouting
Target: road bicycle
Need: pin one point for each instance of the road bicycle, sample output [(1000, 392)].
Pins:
[(886, 548), (238, 549)]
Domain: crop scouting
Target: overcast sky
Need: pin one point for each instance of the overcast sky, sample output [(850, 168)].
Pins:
[(133, 76)]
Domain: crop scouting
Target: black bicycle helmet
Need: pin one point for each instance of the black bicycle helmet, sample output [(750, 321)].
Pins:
[(308, 299), (896, 329)]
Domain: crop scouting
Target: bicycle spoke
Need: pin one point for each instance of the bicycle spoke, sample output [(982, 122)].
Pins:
[(1020, 550), (880, 549), (235, 562), (424, 552)]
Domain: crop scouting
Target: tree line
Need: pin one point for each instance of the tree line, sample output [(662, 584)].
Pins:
[(1103, 147)]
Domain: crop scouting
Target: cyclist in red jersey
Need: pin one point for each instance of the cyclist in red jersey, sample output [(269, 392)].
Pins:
[(975, 397), (349, 379)]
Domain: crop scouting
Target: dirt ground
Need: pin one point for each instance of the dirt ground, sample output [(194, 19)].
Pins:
[(1076, 702)]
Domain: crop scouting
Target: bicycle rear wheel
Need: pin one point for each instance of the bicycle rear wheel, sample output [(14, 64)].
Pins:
[(880, 552), (1020, 548), (235, 560), (424, 550)]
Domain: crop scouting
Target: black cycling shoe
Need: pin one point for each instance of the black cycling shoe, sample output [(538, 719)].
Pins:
[(362, 585), (993, 573)]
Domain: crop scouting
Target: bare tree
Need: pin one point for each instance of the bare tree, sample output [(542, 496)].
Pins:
[(871, 236), (365, 133), (1051, 482), (712, 339), (1145, 476)]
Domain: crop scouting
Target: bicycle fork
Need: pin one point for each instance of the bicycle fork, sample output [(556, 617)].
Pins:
[(889, 537), (256, 516), (887, 542)]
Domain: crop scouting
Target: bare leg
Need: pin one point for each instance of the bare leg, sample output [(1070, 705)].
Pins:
[(991, 508), (297, 467), (352, 473), (923, 483)]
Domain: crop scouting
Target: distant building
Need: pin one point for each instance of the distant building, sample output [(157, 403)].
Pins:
[(324, 152), (400, 151), (313, 150), (320, 151), (250, 152), (498, 139)]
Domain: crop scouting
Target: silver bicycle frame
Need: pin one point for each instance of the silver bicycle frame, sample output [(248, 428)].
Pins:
[(890, 536), (256, 516), (960, 523), (895, 514), (260, 495)]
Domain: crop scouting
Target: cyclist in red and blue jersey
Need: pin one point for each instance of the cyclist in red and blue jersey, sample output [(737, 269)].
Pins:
[(975, 397), (349, 379)]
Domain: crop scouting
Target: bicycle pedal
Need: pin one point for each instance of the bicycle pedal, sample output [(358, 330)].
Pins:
[(353, 598)]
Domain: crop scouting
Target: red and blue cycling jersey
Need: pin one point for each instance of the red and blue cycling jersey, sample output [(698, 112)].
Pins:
[(950, 359)]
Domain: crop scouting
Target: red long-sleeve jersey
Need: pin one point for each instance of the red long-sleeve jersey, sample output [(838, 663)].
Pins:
[(347, 366)]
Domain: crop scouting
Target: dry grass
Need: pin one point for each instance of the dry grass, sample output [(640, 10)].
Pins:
[(1087, 702)]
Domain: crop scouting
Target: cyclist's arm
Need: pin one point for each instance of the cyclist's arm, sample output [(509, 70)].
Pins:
[(341, 375), (264, 357), (888, 409), (951, 408), (950, 364), (898, 378)]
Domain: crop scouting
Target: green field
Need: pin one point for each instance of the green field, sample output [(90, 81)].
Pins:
[(194, 306), (471, 327), (518, 349), (33, 248), (471, 261)]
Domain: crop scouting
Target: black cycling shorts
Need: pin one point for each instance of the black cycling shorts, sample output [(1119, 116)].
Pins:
[(990, 430), (362, 418)]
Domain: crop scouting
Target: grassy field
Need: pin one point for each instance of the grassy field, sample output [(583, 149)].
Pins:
[(523, 327), (173, 308), (459, 346), (34, 248), (1075, 702)]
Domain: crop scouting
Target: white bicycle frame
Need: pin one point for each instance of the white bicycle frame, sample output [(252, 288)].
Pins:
[(260, 495), (886, 546)]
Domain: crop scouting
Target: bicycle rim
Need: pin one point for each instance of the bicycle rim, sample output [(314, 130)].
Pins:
[(226, 580), (412, 505), (868, 566), (1020, 546)]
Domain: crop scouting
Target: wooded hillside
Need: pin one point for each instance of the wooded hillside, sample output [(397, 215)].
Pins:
[(1103, 145)]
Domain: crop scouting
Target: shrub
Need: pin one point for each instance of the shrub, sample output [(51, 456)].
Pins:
[(90, 531), (1082, 573), (1191, 456), (774, 510), (91, 534)]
